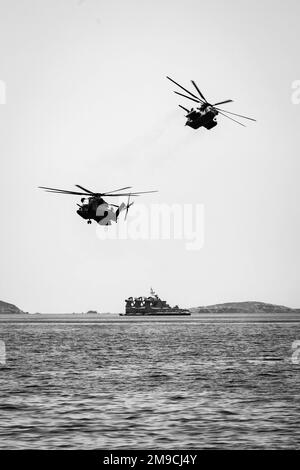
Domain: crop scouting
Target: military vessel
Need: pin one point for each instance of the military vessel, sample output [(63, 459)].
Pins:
[(151, 306)]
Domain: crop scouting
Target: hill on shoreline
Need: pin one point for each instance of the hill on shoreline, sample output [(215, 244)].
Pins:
[(244, 307), (6, 308), (228, 307)]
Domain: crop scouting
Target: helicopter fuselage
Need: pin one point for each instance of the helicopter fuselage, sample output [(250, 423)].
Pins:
[(202, 117), (97, 209)]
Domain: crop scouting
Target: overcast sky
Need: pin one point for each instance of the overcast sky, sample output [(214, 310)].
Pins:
[(87, 102)]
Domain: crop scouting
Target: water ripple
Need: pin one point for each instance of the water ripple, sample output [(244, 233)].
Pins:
[(137, 385)]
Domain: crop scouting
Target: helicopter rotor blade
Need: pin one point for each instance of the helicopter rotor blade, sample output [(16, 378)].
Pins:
[(234, 114), (116, 190), (118, 195), (75, 193), (187, 91), (53, 189), (84, 189), (232, 119), (68, 192), (136, 193), (223, 102), (202, 96), (196, 101), (186, 110), (131, 194), (62, 191)]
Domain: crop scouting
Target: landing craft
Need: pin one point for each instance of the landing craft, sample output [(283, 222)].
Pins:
[(206, 114), (96, 208)]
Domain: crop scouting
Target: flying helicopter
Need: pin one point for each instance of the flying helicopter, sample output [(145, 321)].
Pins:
[(94, 207), (205, 115)]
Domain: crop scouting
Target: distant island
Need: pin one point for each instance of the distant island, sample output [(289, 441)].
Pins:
[(250, 307), (244, 307), (6, 308)]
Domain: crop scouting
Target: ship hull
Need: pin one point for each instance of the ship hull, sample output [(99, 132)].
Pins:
[(155, 314)]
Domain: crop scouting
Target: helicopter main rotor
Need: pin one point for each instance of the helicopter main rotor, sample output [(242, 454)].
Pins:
[(89, 193)]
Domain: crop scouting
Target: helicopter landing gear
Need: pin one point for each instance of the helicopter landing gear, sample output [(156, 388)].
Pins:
[(89, 221)]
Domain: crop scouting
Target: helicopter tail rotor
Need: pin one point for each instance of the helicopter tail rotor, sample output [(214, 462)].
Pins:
[(129, 204)]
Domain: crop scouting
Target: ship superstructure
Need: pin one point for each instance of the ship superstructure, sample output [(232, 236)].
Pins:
[(152, 305)]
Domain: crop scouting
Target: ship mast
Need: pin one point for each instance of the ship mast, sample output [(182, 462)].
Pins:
[(152, 292)]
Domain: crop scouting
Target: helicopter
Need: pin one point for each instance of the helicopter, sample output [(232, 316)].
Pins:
[(205, 115), (96, 208)]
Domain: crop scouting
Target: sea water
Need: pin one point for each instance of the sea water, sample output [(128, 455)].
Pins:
[(154, 384)]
